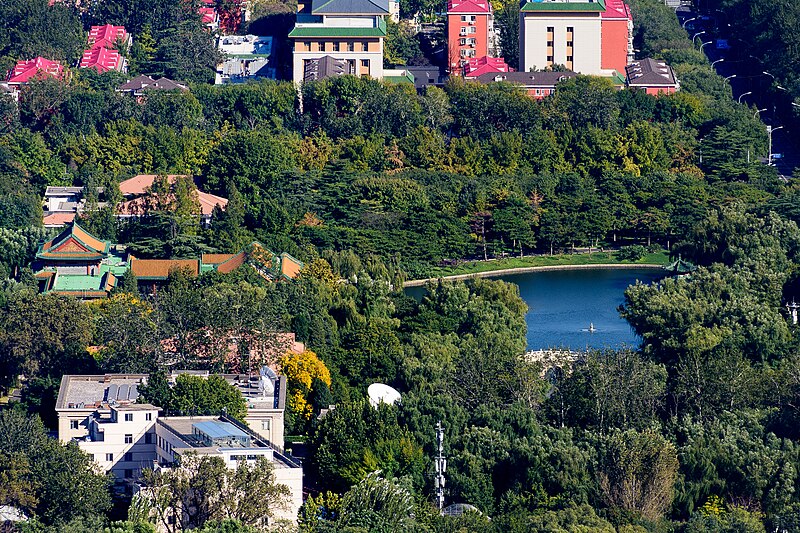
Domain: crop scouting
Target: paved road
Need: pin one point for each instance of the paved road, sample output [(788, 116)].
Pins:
[(749, 83)]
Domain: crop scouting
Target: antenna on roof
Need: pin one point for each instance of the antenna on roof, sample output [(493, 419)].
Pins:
[(266, 381)]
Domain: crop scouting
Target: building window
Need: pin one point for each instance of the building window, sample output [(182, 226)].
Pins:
[(336, 47), (462, 42), (569, 44), (570, 29), (551, 29), (266, 425), (307, 46), (128, 417), (463, 30), (320, 47), (351, 47), (472, 29), (129, 457), (109, 457), (365, 63), (148, 416), (129, 439), (550, 44), (364, 47), (569, 59), (549, 59), (74, 424), (148, 438)]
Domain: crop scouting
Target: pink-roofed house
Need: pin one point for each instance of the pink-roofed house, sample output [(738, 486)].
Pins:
[(25, 71), (136, 203), (103, 60), (485, 65), (107, 36), (208, 13), (470, 32)]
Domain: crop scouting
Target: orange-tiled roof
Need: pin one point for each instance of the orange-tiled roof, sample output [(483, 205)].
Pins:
[(161, 268), (55, 220), (73, 242), (209, 201), (138, 184), (290, 267), (233, 263), (215, 259)]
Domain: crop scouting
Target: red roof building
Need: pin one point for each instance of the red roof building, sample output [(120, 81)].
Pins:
[(25, 71), (107, 36), (103, 60), (470, 31), (485, 65)]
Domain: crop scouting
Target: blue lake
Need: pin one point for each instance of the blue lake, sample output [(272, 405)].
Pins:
[(563, 303)]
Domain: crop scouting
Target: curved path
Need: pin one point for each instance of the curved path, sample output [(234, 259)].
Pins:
[(523, 270)]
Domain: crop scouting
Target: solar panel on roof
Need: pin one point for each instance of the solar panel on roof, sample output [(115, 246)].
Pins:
[(111, 392), (123, 392)]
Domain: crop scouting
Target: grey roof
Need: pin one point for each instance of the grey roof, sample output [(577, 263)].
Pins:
[(426, 76), (146, 82), (60, 191), (650, 72), (90, 392), (350, 7), (527, 79), (324, 67)]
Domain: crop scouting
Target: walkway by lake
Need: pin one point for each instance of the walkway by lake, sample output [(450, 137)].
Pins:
[(564, 301)]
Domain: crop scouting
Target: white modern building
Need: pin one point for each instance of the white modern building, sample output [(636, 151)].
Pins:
[(247, 57), (123, 437), (586, 36)]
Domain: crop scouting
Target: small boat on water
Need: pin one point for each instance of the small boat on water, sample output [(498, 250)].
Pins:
[(591, 329)]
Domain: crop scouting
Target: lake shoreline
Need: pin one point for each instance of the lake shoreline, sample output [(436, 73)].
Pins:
[(526, 270)]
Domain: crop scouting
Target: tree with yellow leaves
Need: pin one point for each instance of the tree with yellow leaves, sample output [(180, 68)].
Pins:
[(301, 371)]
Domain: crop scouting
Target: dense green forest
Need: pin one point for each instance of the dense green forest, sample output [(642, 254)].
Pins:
[(370, 184)]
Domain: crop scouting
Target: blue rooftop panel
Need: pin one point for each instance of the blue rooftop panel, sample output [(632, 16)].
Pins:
[(218, 430)]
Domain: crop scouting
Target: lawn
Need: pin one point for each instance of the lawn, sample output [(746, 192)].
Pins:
[(595, 258)]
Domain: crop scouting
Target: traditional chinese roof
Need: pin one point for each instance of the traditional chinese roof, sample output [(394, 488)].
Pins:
[(139, 184), (137, 187), (469, 6), (73, 244), (350, 7), (106, 36), (159, 269), (24, 71), (102, 59)]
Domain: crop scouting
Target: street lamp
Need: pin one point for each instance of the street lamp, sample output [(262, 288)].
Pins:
[(758, 111), (770, 131), (687, 21), (705, 43), (729, 77), (698, 33), (782, 88), (742, 95), (717, 61), (768, 74)]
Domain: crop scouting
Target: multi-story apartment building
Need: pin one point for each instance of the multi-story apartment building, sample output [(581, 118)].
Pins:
[(351, 31), (470, 32), (123, 437), (586, 36)]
